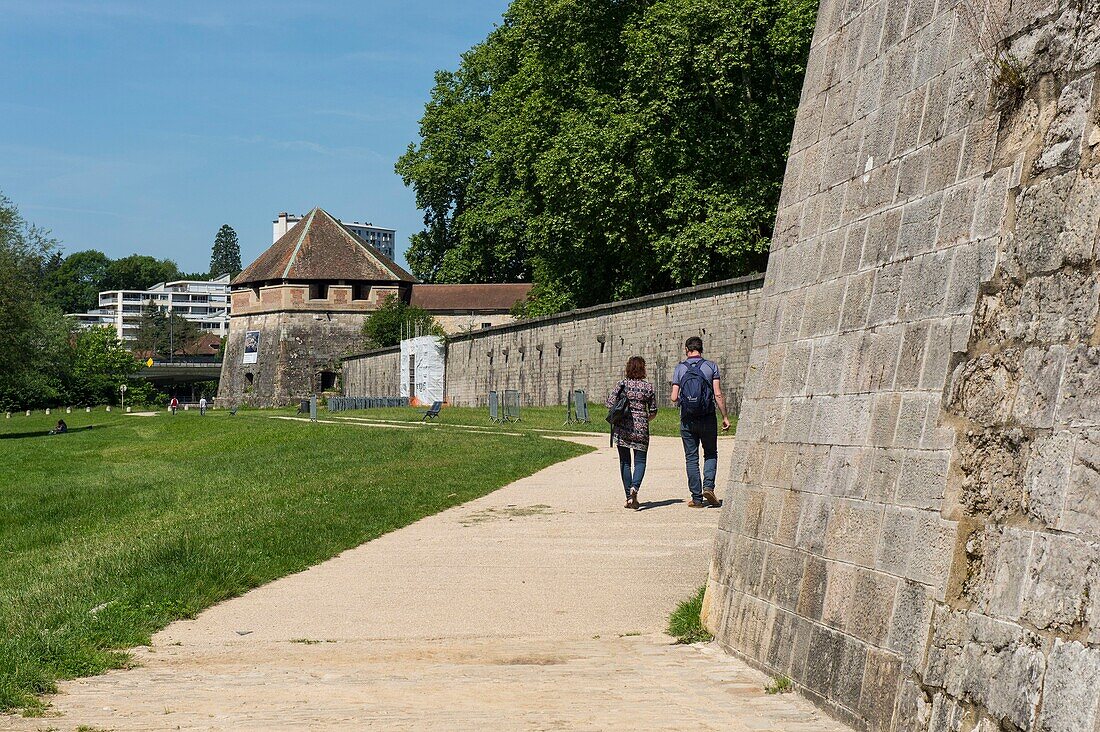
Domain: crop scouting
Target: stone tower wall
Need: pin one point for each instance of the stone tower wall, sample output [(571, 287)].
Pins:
[(912, 527), (294, 348)]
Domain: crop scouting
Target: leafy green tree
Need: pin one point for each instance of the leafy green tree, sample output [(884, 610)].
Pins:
[(607, 149), (100, 364), (385, 326), (34, 359), (139, 272), (225, 255), (162, 334), (74, 285)]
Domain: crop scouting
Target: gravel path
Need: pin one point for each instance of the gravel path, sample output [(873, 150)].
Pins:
[(540, 606)]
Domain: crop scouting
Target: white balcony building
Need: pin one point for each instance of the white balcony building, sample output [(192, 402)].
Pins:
[(203, 302), (378, 237)]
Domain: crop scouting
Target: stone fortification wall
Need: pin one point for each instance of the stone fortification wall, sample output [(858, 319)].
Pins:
[(375, 373), (911, 529), (544, 358)]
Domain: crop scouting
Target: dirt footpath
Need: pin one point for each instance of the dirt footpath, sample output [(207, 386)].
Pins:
[(540, 606)]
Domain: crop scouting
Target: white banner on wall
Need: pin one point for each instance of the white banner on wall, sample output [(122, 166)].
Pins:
[(251, 345), (422, 365)]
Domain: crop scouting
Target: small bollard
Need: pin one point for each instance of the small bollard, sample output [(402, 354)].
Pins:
[(28, 412), (129, 409), (68, 410), (87, 409), (47, 410), (187, 407), (108, 407), (7, 415)]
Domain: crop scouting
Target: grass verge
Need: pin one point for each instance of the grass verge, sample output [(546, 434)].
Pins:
[(547, 420), (779, 685), (685, 623), (112, 531)]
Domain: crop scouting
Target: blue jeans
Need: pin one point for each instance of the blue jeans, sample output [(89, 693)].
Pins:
[(631, 481), (696, 432)]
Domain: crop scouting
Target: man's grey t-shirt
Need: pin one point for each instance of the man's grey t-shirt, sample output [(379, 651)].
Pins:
[(709, 369)]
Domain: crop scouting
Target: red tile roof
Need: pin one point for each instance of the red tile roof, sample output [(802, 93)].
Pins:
[(321, 248), (491, 297)]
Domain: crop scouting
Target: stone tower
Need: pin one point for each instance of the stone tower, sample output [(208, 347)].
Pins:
[(299, 308), (912, 527)]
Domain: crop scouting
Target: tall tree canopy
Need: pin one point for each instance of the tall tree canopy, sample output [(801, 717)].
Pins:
[(74, 284), (225, 255), (388, 324), (139, 272), (36, 335), (608, 149), (44, 361)]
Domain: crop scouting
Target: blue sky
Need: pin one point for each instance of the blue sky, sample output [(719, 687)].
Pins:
[(142, 126)]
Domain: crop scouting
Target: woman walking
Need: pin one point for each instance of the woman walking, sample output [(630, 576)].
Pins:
[(632, 435)]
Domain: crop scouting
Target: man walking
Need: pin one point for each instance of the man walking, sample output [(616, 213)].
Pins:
[(696, 388), (202, 406)]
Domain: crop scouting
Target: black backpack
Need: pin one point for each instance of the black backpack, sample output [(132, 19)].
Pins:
[(696, 393), (619, 411)]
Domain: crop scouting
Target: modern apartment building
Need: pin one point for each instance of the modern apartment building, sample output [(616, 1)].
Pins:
[(203, 302), (378, 237)]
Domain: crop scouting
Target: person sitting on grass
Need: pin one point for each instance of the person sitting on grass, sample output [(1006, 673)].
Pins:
[(60, 429)]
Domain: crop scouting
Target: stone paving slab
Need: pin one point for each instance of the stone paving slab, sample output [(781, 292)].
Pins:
[(539, 606)]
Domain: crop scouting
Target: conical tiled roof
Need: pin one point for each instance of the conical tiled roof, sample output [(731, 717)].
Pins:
[(320, 248)]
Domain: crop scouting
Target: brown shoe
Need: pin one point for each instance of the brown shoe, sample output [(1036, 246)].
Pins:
[(696, 504), (633, 502), (711, 499)]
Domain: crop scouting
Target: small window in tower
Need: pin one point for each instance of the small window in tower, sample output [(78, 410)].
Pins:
[(249, 378), (360, 291), (318, 291)]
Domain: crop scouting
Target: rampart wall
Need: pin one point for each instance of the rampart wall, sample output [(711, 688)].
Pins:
[(544, 358), (912, 525)]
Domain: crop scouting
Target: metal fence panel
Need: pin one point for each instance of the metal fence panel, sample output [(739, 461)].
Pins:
[(580, 403), (343, 404), (511, 405)]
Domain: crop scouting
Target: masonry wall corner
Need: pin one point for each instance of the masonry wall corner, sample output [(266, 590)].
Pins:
[(912, 527)]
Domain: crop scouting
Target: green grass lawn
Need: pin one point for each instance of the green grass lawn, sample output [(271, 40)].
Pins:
[(126, 523), (666, 424)]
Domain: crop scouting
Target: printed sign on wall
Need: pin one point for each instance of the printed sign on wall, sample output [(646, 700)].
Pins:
[(251, 346)]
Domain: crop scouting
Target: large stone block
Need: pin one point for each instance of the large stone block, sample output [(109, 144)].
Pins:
[(1070, 694)]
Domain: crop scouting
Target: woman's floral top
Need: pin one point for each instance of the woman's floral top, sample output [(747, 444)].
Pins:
[(643, 402)]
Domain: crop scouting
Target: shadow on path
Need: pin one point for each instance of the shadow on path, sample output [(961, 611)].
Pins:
[(659, 504)]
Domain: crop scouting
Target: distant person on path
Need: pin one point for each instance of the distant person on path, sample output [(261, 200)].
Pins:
[(173, 406), (202, 405), (60, 429), (696, 388), (632, 434)]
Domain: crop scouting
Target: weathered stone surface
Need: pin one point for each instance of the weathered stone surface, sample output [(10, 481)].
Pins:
[(1062, 143), (1070, 694), (992, 465), (1040, 378), (951, 400), (1048, 477)]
